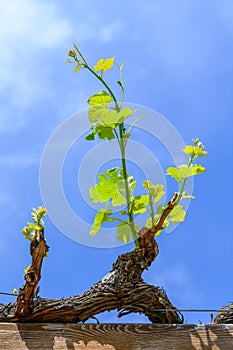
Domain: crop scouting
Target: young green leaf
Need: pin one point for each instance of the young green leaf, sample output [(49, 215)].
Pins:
[(100, 98), (198, 151), (104, 64), (27, 269), (124, 231), (90, 136), (97, 112), (105, 132), (102, 216), (149, 221), (139, 204), (183, 171), (78, 67), (155, 191), (177, 214), (107, 188)]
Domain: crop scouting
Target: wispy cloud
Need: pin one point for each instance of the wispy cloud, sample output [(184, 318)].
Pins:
[(19, 160), (27, 28), (176, 279), (30, 32)]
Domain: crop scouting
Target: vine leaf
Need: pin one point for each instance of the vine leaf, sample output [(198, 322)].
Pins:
[(104, 64), (198, 151), (105, 121), (102, 216), (110, 187), (183, 171), (100, 98), (104, 132), (177, 214), (30, 231), (139, 204), (124, 231), (78, 67), (155, 191), (97, 112)]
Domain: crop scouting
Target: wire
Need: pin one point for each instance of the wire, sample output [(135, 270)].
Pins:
[(195, 310), (4, 293), (163, 310)]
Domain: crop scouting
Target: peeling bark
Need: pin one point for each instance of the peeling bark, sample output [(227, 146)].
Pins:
[(122, 288), (225, 315), (27, 293)]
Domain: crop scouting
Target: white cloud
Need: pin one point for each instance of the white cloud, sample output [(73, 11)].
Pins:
[(19, 160), (27, 28), (178, 283), (30, 31)]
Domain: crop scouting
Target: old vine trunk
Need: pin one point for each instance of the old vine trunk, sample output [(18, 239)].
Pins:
[(122, 289)]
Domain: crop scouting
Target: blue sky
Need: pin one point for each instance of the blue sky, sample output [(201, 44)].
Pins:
[(179, 59)]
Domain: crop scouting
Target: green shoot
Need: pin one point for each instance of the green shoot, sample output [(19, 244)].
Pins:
[(116, 186)]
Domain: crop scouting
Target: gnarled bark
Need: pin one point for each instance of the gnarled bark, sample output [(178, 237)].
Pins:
[(225, 315), (122, 288)]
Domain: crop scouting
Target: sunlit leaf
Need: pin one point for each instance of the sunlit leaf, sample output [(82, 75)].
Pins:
[(148, 223), (177, 214), (198, 151), (105, 132), (107, 188), (183, 171), (78, 67), (160, 209), (102, 216), (155, 191), (139, 204), (27, 268), (124, 114), (104, 64), (97, 112), (124, 232), (34, 227), (100, 98)]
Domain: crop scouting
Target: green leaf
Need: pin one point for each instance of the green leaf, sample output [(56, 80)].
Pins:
[(124, 231), (110, 117), (198, 151), (97, 112), (124, 114), (139, 204), (177, 214), (78, 67), (160, 209), (90, 136), (107, 188), (100, 98), (34, 227), (27, 269), (105, 132), (104, 64), (148, 223), (130, 179), (102, 216), (183, 171), (155, 191)]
